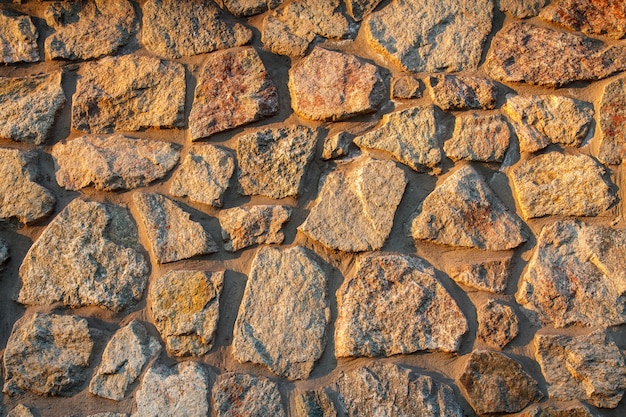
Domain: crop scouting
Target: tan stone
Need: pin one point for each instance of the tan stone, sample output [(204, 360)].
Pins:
[(358, 9), (452, 92), (21, 411), (479, 138), (607, 17), (575, 410), (407, 87), (336, 146), (18, 38), (612, 122), (491, 274), (313, 404), (247, 226), (497, 324), (248, 7), (246, 396), (522, 8)]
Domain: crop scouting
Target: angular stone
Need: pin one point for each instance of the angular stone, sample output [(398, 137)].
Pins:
[(313, 404), (497, 324), (495, 383), (331, 85), (87, 256), (440, 35), (576, 410), (128, 93), (407, 87), (247, 226), (463, 211), (556, 184), (112, 162), (358, 9), (522, 52), (172, 234), (4, 251), (87, 30), (591, 17), (393, 305), (185, 309), (452, 92), (337, 145), (18, 38), (522, 8), (246, 396), (233, 89), (284, 312), (47, 354), (248, 7), (20, 195), (486, 274), (584, 367), (350, 213), (21, 411), (28, 106), (272, 161), (542, 120), (178, 28), (613, 122), (123, 359), (479, 138), (409, 135)]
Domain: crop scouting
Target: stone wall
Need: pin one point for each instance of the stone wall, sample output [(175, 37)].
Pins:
[(312, 208)]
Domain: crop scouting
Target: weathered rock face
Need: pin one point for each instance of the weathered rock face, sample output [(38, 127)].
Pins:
[(283, 315), (47, 354), (336, 146), (20, 411), (18, 38), (350, 214), (497, 324), (407, 87), (488, 275), (522, 8), (112, 162), (588, 16), (612, 116), (479, 138), (128, 93), (246, 396), (313, 404), (247, 226), (248, 7), (433, 36), (4, 251), (395, 305), (358, 9), (576, 410), (451, 92), (87, 256)]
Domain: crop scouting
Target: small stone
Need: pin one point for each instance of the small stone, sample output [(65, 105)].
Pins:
[(407, 87), (87, 256), (495, 383), (185, 308), (128, 93), (21, 411), (451, 92), (612, 122), (556, 184), (109, 415), (409, 135), (112, 162), (18, 38), (313, 404), (284, 312), (486, 275), (331, 85), (247, 226), (4, 251), (576, 410), (350, 213), (178, 28), (589, 16), (522, 8), (172, 234), (479, 138), (497, 324), (272, 161), (358, 9), (336, 146), (393, 305), (246, 396), (123, 359), (249, 7), (47, 354), (463, 211)]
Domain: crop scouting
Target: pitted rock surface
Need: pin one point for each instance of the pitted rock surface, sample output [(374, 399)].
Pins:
[(497, 324), (18, 38), (20, 411), (407, 87), (612, 117), (523, 8), (247, 226), (336, 146), (248, 7), (576, 410), (313, 404), (479, 138), (591, 17), (246, 396), (491, 274), (457, 92), (358, 9)]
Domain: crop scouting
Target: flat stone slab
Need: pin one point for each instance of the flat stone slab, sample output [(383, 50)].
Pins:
[(246, 396), (479, 138), (590, 17), (460, 92), (18, 38), (498, 324), (490, 274), (612, 115), (246, 226), (248, 7)]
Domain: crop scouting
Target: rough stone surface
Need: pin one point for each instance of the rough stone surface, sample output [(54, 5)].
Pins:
[(173, 235), (246, 396), (336, 146), (558, 184), (522, 8), (576, 410), (20, 411), (28, 106), (249, 7), (4, 251), (185, 309), (284, 312), (463, 211), (112, 162), (607, 17), (441, 35), (123, 359), (233, 89), (87, 256), (331, 85), (479, 138), (612, 117), (109, 415), (313, 404), (247, 226), (350, 214), (393, 305), (452, 92), (358, 9), (407, 87), (487, 275), (47, 354), (497, 324), (18, 38), (128, 93)]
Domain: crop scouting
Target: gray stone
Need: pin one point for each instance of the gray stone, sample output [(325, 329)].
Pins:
[(479, 138), (497, 324), (575, 410), (20, 411), (87, 256), (284, 312), (246, 396), (248, 7), (247, 226), (18, 38), (589, 16), (4, 251), (491, 274), (612, 117), (452, 92), (336, 146), (407, 87), (358, 9), (111, 414), (522, 8), (313, 404)]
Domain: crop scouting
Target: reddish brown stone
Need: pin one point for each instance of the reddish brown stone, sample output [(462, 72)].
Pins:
[(613, 122), (594, 17)]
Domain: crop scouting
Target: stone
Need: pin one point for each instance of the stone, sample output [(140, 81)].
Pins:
[(233, 89), (431, 36), (554, 184), (47, 354), (479, 138), (179, 28), (522, 52), (172, 234), (612, 122), (522, 8), (4, 252), (88, 30), (247, 226), (463, 211), (587, 367), (129, 93), (350, 213), (18, 38), (543, 120), (394, 305), (249, 7), (576, 410), (283, 316), (109, 415), (87, 256), (111, 163), (407, 87), (313, 404), (575, 276), (123, 359), (491, 274), (272, 161), (358, 9), (20, 195), (181, 390), (452, 92), (386, 389), (495, 383), (185, 308), (332, 85), (336, 146), (589, 16), (498, 324), (28, 106), (246, 396), (409, 135), (20, 411)]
